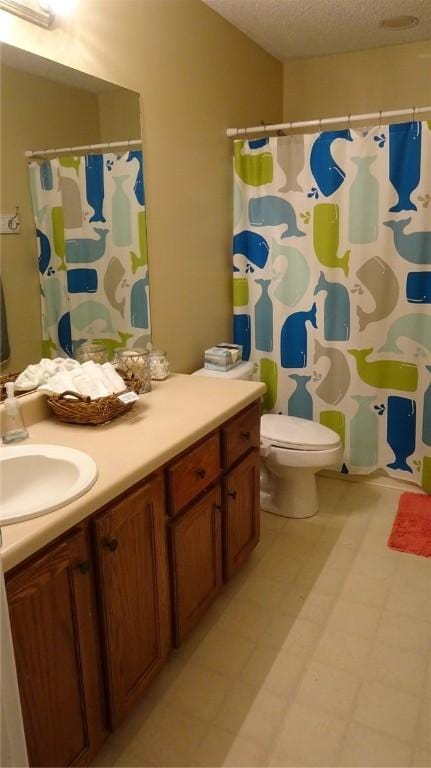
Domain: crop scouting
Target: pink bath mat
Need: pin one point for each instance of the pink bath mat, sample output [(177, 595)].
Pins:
[(411, 531)]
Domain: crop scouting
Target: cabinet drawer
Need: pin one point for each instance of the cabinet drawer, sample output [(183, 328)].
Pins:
[(241, 434), (194, 472)]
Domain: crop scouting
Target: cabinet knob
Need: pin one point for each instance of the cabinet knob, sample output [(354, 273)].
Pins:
[(218, 507), (232, 494), (111, 544), (245, 435), (201, 473), (83, 567)]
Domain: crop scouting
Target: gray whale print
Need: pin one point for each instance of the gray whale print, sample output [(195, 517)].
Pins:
[(337, 381), (381, 282)]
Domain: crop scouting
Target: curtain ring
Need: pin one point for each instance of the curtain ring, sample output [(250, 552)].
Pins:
[(349, 122), (290, 126), (380, 118), (414, 114), (320, 125)]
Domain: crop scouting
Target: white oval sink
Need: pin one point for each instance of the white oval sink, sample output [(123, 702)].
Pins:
[(36, 479)]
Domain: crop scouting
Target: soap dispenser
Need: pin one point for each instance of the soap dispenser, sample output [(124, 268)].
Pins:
[(14, 429)]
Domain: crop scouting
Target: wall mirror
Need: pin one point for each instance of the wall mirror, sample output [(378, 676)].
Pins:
[(78, 268)]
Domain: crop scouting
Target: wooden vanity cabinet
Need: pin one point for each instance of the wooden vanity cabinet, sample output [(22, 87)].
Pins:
[(54, 630), (131, 554), (196, 565), (111, 578)]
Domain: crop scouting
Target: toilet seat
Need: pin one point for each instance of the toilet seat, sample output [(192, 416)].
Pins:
[(298, 434)]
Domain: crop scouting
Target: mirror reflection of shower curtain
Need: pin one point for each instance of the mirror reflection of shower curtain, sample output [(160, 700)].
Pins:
[(332, 286), (92, 247)]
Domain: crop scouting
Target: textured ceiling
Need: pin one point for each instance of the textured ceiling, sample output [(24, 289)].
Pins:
[(290, 29)]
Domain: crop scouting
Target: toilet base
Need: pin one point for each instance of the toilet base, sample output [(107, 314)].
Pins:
[(292, 495)]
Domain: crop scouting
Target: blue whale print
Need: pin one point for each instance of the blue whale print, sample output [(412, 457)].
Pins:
[(87, 249), (404, 162), (251, 245), (414, 246), (242, 334), (44, 251), (94, 185), (271, 211), (65, 334), (401, 430), (293, 338), (327, 173), (418, 287), (336, 317), (46, 180), (82, 280), (139, 304), (139, 183)]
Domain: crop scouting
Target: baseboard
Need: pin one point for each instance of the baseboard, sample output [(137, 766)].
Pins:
[(379, 478)]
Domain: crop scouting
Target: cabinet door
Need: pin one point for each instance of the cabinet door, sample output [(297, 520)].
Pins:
[(195, 543), (134, 588), (241, 513), (51, 605)]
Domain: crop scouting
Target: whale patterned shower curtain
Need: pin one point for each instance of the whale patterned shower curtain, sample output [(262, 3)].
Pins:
[(90, 221), (332, 286)]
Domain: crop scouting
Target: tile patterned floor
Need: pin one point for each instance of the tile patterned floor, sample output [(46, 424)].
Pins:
[(317, 654)]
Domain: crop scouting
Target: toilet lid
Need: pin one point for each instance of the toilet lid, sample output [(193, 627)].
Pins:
[(290, 432)]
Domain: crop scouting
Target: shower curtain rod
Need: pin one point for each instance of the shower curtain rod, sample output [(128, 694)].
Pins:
[(413, 111), (83, 148)]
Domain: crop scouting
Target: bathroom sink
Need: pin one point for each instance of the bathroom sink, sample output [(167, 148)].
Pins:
[(36, 479)]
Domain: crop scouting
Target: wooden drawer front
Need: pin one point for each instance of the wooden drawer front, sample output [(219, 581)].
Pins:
[(195, 547), (241, 434), (194, 472)]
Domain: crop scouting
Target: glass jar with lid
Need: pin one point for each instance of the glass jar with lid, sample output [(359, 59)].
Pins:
[(92, 350), (133, 365), (159, 365)]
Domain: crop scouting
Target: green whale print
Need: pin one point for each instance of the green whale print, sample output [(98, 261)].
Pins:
[(269, 375), (326, 236), (385, 374), (142, 259), (254, 170), (57, 218)]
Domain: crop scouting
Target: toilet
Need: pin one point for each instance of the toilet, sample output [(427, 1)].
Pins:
[(292, 451)]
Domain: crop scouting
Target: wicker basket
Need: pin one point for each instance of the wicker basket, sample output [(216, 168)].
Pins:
[(77, 409)]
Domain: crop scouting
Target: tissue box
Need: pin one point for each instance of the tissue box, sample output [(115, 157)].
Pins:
[(220, 365), (224, 355)]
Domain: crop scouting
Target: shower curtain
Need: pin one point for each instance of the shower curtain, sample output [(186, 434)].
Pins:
[(332, 286), (92, 243)]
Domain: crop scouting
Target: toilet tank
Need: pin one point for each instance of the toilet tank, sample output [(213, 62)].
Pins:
[(244, 370)]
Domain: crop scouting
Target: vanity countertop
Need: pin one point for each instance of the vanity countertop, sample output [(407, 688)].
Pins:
[(174, 415)]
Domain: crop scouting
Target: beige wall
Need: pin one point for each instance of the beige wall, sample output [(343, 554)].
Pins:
[(394, 77), (36, 113), (196, 75), (119, 115)]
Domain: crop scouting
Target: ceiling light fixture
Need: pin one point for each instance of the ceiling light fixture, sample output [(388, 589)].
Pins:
[(61, 8), (30, 11), (399, 23)]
